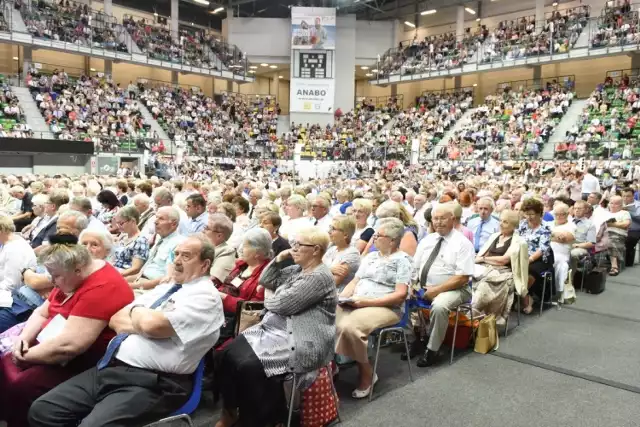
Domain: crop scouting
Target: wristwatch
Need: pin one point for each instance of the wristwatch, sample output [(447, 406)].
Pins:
[(22, 272)]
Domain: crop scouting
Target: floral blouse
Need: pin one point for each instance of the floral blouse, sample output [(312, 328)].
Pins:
[(124, 254), (538, 239)]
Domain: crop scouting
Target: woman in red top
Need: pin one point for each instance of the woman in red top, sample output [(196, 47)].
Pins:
[(242, 283), (87, 293)]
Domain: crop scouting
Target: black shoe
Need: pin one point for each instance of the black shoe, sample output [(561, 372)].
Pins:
[(415, 348), (429, 358)]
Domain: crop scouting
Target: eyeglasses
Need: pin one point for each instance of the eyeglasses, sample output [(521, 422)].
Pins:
[(296, 245), (378, 235)]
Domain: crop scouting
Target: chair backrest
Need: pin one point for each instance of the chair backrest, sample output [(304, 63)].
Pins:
[(194, 400)]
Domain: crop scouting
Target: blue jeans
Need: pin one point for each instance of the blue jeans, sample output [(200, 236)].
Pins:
[(18, 313)]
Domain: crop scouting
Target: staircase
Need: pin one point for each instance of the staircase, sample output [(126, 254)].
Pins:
[(567, 122), (215, 60), (460, 124), (155, 126), (283, 125), (32, 113), (583, 38), (14, 18), (124, 37)]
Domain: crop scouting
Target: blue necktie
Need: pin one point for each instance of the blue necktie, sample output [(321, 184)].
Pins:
[(115, 343), (476, 238)]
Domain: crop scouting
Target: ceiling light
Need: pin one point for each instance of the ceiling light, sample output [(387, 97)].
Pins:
[(409, 24), (252, 71), (15, 58), (155, 14), (475, 85), (264, 64), (280, 77), (92, 69), (554, 4), (368, 74), (254, 67), (364, 67), (471, 11), (428, 12), (192, 24), (220, 9), (273, 66), (375, 70), (204, 2), (478, 19)]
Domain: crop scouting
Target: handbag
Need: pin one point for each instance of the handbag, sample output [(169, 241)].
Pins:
[(487, 335), (319, 402), (248, 314)]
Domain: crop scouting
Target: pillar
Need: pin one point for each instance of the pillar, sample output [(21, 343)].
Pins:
[(345, 55), (108, 67), (229, 85), (174, 78), (275, 86), (108, 7), (460, 23), (539, 15), (635, 60), (175, 16), (537, 73), (27, 60), (457, 82)]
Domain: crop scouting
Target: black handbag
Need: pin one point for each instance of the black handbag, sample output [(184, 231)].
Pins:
[(594, 281)]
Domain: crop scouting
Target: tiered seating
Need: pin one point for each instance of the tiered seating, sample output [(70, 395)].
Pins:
[(258, 117), (157, 42), (617, 26), (609, 126), (435, 113), (71, 23), (511, 125), (90, 109), (12, 120)]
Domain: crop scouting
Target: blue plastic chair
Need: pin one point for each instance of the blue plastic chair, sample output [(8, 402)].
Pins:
[(399, 327), (191, 405)]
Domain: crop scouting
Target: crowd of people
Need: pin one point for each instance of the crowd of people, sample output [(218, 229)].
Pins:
[(115, 290), (608, 124), (89, 108), (617, 26), (12, 120), (513, 124)]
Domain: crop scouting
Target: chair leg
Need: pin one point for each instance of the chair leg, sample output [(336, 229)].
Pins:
[(455, 331), (292, 400), (544, 289), (406, 347), (375, 366), (519, 309)]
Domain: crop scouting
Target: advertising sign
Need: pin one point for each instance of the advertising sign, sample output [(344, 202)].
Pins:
[(312, 95), (313, 28)]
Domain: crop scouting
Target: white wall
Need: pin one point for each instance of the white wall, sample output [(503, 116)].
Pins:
[(345, 62), (261, 37), (372, 39)]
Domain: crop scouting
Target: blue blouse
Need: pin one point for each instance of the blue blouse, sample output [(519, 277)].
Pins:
[(538, 239)]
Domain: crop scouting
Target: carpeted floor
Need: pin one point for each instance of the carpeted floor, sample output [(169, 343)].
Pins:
[(577, 366)]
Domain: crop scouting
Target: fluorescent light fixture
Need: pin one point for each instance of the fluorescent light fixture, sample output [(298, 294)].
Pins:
[(471, 11), (253, 67), (155, 13), (273, 66), (204, 2), (264, 64), (375, 70), (409, 24), (554, 4), (280, 77), (192, 24), (15, 58), (220, 9), (428, 12), (92, 69), (478, 19), (368, 74), (252, 71), (364, 67), (475, 85)]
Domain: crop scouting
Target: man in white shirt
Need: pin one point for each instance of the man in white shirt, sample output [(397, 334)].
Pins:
[(590, 184), (147, 370), (320, 213), (163, 198), (443, 264), (84, 206), (562, 236)]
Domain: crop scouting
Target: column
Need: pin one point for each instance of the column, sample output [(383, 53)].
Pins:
[(108, 67), (539, 15), (460, 23), (174, 77), (27, 60), (108, 7), (229, 85), (345, 55), (275, 87), (537, 73), (635, 60), (457, 82), (174, 19)]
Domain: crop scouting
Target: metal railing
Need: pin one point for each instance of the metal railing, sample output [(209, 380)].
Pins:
[(153, 83), (617, 75), (566, 82), (380, 102)]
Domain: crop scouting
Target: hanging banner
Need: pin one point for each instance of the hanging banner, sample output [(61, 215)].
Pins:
[(313, 28), (312, 95)]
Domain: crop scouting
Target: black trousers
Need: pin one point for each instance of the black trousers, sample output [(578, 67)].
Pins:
[(116, 396), (630, 247)]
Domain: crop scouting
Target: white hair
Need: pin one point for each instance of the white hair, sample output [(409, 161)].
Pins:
[(104, 236), (260, 240), (142, 198), (388, 209)]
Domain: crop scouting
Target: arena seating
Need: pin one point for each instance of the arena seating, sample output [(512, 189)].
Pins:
[(608, 127), (617, 26), (12, 120), (513, 124)]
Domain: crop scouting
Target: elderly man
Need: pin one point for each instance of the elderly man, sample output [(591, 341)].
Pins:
[(69, 222), (420, 203), (562, 237), (484, 224), (142, 203), (218, 231), (147, 370), (197, 212), (633, 236), (159, 263), (84, 206), (25, 216), (585, 234), (57, 199), (254, 196), (443, 264), (320, 213), (164, 198)]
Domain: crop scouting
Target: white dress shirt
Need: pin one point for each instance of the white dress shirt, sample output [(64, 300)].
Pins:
[(96, 225), (196, 315), (590, 184), (456, 257), (14, 256)]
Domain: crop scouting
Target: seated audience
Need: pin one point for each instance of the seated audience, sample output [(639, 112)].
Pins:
[(40, 219), (484, 225), (56, 200), (25, 213), (617, 228), (110, 205), (361, 210), (131, 247), (295, 218), (271, 222), (218, 230), (501, 268), (342, 258), (149, 365), (391, 209), (83, 205), (87, 294), (373, 299), (585, 234), (300, 299)]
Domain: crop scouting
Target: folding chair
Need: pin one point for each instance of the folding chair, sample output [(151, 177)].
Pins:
[(400, 328), (506, 326), (547, 276), (191, 405)]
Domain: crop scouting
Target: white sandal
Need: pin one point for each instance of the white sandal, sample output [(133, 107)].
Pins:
[(361, 394)]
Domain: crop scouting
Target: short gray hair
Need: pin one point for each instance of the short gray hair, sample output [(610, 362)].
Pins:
[(39, 199), (297, 201), (142, 199), (388, 209), (260, 240), (393, 227), (80, 219), (164, 195), (83, 203), (129, 213), (489, 200), (207, 250), (65, 257), (103, 235), (172, 212), (222, 223)]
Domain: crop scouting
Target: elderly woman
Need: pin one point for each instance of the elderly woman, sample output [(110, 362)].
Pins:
[(99, 243), (373, 299), (361, 210), (40, 219), (87, 293), (391, 209), (131, 248), (501, 266), (562, 236), (295, 208), (538, 238), (272, 222), (617, 230), (296, 335), (242, 283), (342, 258)]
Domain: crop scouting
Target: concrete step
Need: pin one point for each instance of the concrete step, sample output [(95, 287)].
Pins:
[(32, 113)]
